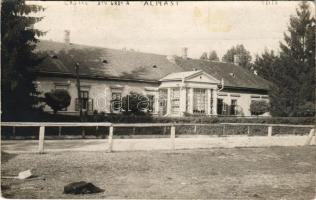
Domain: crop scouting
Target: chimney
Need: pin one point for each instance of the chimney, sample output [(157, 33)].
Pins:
[(236, 60), (184, 53), (67, 37)]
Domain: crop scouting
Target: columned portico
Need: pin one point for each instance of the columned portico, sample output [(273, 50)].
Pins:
[(192, 92)]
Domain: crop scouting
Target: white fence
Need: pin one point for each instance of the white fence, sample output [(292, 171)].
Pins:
[(172, 126)]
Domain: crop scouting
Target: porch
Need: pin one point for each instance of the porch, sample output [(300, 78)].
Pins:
[(192, 92)]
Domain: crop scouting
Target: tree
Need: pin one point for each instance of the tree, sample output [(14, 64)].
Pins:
[(18, 63), (298, 59), (213, 56), (58, 99), (292, 72), (259, 107), (242, 54), (265, 65), (204, 56)]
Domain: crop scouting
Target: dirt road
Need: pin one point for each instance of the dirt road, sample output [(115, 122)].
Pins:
[(235, 173)]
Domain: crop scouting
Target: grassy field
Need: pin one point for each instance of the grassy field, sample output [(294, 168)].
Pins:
[(239, 173)]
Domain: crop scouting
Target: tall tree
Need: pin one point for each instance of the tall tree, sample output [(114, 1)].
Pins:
[(297, 69), (244, 57), (213, 56), (18, 92), (293, 71)]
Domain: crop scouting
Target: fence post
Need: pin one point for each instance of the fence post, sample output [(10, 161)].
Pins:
[(165, 130), (310, 137), (269, 131), (110, 138), (59, 131), (314, 136), (83, 132), (223, 129), (41, 139), (195, 129), (173, 136), (248, 130)]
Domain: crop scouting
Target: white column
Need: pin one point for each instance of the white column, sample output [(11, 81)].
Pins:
[(208, 101), (169, 101), (156, 103), (214, 101), (183, 99), (191, 100)]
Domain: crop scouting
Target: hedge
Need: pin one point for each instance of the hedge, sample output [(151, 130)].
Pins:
[(121, 118)]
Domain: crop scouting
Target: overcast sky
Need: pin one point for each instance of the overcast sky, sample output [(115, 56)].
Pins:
[(200, 26)]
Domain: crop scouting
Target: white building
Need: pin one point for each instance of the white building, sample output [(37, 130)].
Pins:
[(174, 85)]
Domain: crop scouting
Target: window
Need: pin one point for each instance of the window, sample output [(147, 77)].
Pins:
[(220, 106), (151, 99), (175, 100), (199, 101), (84, 95), (233, 107), (86, 102), (163, 96), (116, 102)]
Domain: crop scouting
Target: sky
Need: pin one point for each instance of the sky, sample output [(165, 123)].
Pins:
[(166, 29)]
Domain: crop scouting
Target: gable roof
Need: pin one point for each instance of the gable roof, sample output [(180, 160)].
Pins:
[(179, 75), (187, 75), (131, 65)]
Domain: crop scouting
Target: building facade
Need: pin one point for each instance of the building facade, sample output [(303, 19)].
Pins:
[(169, 85)]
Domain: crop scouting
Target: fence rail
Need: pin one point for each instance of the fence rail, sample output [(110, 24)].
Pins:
[(172, 126)]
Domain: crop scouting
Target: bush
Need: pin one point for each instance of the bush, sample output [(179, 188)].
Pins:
[(57, 99), (259, 107)]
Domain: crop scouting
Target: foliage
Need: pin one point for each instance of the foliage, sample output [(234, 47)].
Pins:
[(293, 71), (259, 107), (204, 56), (18, 63), (266, 64), (122, 118), (213, 56), (241, 52), (58, 99)]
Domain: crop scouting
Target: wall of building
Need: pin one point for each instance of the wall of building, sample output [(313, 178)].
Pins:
[(243, 100), (100, 91)]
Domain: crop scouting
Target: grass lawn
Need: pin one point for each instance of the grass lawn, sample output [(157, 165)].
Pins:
[(238, 173)]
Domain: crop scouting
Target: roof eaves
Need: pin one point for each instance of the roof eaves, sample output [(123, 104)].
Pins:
[(245, 88), (95, 77)]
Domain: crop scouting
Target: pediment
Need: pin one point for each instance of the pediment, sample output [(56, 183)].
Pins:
[(202, 77)]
